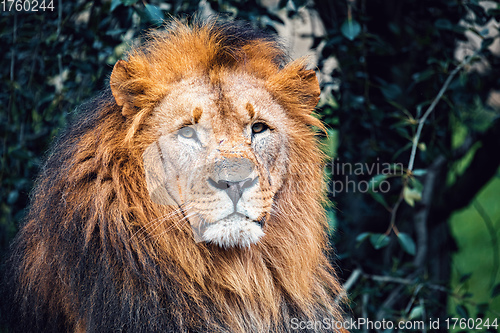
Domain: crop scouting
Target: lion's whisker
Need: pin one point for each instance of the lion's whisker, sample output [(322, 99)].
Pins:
[(152, 225), (180, 223)]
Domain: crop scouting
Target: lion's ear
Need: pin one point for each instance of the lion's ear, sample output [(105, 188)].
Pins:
[(310, 90), (296, 85), (118, 82)]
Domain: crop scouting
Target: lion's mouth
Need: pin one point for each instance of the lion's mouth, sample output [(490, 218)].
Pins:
[(234, 230), (260, 221)]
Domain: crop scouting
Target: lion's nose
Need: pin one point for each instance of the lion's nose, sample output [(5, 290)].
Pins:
[(232, 169), (233, 175), (233, 189)]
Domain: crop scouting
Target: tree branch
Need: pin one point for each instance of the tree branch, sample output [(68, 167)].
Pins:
[(482, 168), (416, 139), (434, 173), (431, 108)]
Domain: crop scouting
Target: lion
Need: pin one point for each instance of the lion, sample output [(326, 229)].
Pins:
[(187, 197)]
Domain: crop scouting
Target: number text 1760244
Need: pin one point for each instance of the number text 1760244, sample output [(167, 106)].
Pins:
[(26, 5)]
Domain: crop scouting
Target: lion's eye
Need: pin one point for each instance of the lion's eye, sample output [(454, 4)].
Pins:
[(187, 132), (259, 128)]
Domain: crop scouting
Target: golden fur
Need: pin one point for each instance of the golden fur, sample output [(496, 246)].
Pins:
[(97, 254)]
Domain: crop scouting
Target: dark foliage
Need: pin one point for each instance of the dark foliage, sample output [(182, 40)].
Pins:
[(394, 58)]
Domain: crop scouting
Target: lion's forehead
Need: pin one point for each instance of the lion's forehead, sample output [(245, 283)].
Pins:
[(222, 99)]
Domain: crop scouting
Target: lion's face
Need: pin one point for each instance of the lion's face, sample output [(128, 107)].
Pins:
[(220, 156)]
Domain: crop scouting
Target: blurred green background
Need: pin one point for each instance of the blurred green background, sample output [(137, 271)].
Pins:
[(410, 95)]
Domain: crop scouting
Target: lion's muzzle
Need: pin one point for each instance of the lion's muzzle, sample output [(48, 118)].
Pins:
[(235, 178), (233, 189)]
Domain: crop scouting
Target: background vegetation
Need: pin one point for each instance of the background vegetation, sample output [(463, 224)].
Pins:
[(410, 91)]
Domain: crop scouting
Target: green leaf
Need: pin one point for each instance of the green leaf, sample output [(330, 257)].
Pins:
[(377, 179), (407, 243), (290, 6), (155, 15), (129, 2), (402, 149), (422, 76), (282, 4), (416, 184), (496, 291), (350, 29), (114, 4), (379, 198), (420, 107), (462, 311), (495, 12), (391, 91), (379, 240), (487, 42), (374, 183), (413, 192), (398, 106), (467, 295), (465, 277), (481, 17), (363, 236), (299, 3), (419, 172), (397, 168), (416, 312), (485, 32), (482, 308), (13, 196), (403, 132), (411, 195), (443, 24)]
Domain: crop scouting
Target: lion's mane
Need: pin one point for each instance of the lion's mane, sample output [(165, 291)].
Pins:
[(87, 258)]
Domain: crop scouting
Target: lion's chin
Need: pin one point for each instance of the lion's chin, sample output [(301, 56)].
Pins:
[(235, 230)]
